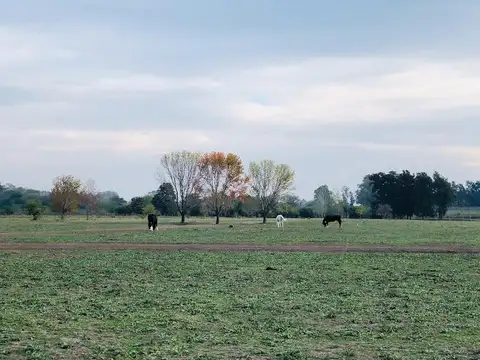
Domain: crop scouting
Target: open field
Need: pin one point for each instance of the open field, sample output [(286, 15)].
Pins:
[(157, 305), (244, 231), (181, 304)]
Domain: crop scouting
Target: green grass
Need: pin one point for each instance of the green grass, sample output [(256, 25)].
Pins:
[(400, 232), (53, 223), (141, 305)]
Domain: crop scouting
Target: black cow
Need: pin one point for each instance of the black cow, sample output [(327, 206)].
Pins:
[(332, 218), (152, 222)]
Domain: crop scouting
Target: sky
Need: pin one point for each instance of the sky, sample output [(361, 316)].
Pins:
[(100, 89)]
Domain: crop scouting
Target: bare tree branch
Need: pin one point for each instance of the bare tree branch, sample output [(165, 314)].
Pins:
[(181, 170), (269, 182)]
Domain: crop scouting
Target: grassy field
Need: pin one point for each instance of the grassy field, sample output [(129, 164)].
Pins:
[(86, 304), (141, 305), (244, 231)]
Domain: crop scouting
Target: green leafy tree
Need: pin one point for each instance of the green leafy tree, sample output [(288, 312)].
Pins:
[(306, 212), (110, 201), (136, 204), (365, 194), (35, 209), (324, 200), (406, 199), (164, 200), (443, 194), (423, 193), (148, 209), (360, 211)]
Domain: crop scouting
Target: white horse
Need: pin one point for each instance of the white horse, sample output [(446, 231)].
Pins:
[(280, 219)]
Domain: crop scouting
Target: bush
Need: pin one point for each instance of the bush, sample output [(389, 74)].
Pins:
[(306, 212), (148, 209), (35, 209)]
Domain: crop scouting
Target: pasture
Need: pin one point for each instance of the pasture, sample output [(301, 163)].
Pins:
[(89, 304), (244, 231)]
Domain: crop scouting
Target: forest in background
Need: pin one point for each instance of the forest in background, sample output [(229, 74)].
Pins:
[(378, 195)]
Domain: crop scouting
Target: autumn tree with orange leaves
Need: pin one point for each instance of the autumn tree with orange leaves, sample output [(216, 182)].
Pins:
[(221, 181)]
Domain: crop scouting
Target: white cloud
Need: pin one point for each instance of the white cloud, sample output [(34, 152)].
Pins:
[(140, 83), (305, 92), (312, 92), (34, 112), (117, 141), (332, 90), (19, 47), (468, 156), (465, 155), (46, 145)]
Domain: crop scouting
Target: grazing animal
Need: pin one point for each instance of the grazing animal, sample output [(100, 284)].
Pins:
[(280, 219), (332, 218), (152, 222)]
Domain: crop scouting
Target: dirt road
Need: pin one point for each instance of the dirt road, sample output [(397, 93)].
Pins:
[(319, 248)]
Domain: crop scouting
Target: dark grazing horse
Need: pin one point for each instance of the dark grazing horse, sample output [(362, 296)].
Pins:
[(332, 218), (152, 222)]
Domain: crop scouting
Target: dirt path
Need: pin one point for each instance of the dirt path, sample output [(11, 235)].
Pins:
[(96, 230), (322, 248)]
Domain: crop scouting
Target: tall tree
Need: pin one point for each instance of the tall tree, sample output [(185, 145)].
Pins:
[(181, 169), (137, 204), (473, 193), (222, 180), (406, 183), (365, 193), (269, 181), (423, 192), (461, 197), (66, 194), (348, 200), (90, 197), (391, 193), (443, 194), (377, 181), (248, 207), (195, 205), (164, 200), (110, 201), (289, 205), (323, 201)]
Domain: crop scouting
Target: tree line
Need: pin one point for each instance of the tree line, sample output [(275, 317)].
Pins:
[(216, 184), (403, 195)]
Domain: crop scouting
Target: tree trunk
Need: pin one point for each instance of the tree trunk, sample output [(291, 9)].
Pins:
[(183, 218), (217, 220), (264, 219)]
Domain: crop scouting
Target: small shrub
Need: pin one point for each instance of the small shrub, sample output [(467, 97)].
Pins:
[(148, 209), (35, 209)]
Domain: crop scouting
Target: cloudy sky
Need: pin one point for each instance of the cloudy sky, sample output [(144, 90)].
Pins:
[(336, 89)]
